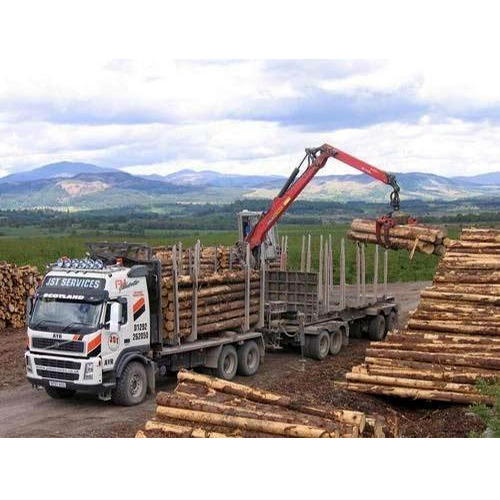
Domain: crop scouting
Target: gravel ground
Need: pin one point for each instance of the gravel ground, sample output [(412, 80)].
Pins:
[(25, 412)]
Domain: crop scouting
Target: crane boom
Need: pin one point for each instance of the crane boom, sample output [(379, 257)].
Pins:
[(317, 158)]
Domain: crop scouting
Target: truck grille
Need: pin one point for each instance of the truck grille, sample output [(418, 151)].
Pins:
[(59, 369), (57, 363), (57, 345)]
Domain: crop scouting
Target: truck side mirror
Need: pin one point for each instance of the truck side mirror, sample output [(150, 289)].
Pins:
[(115, 317), (29, 307)]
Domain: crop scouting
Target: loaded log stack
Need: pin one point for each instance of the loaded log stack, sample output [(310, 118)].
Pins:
[(16, 285), (453, 337), (219, 298), (414, 238), (207, 407), (212, 259)]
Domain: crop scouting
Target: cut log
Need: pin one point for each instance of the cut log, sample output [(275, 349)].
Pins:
[(182, 431), (249, 424)]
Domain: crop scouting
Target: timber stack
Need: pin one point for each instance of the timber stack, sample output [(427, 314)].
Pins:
[(212, 259), (207, 407), (412, 237), (210, 303), (453, 337), (16, 285)]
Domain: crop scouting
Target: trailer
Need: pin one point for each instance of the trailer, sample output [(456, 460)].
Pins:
[(305, 309)]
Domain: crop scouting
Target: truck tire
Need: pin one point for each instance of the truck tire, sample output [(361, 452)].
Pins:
[(227, 364), (392, 321), (132, 386), (336, 341), (355, 330), (248, 358), (59, 392), (318, 346), (376, 328)]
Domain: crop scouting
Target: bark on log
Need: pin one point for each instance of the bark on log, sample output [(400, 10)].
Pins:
[(406, 392), (421, 246), (454, 327), (250, 424), (182, 431)]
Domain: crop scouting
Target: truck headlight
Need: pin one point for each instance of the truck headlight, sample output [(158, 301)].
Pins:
[(89, 371), (29, 368)]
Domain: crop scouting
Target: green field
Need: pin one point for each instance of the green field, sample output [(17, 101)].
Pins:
[(31, 247)]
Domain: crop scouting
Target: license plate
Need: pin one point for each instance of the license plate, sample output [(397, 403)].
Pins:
[(56, 383)]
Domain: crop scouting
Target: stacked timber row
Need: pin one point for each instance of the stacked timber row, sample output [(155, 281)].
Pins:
[(414, 238), (16, 284), (212, 259), (210, 303), (207, 407), (453, 337)]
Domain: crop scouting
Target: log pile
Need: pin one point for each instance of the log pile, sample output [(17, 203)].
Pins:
[(16, 284), (207, 407), (425, 239), (220, 303), (212, 259), (453, 337)]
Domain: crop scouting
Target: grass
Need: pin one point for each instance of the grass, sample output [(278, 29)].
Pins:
[(30, 247)]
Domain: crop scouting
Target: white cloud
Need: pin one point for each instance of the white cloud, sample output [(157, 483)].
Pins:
[(160, 116)]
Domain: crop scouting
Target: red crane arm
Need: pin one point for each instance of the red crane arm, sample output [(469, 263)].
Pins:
[(294, 186)]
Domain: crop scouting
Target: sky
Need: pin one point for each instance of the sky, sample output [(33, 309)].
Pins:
[(250, 116)]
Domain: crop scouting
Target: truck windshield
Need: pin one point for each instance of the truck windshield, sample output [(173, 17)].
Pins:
[(56, 315)]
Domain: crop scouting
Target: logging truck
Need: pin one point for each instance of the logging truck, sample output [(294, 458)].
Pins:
[(95, 325)]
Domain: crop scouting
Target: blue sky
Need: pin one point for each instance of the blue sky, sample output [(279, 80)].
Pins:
[(250, 116)]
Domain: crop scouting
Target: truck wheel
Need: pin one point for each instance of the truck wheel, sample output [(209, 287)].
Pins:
[(132, 386), (59, 392), (376, 328), (227, 363), (392, 321), (355, 330), (319, 345), (335, 342), (248, 358)]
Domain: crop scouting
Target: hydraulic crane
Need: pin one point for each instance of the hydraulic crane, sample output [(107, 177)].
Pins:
[(254, 235)]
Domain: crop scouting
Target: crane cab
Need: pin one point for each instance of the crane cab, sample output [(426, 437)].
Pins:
[(246, 222)]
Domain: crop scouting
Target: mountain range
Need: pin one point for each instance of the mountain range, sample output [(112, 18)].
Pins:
[(81, 186)]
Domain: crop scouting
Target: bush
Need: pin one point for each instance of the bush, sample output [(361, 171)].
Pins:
[(489, 415)]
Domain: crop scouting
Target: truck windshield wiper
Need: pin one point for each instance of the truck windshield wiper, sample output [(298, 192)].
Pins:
[(72, 324), (39, 323)]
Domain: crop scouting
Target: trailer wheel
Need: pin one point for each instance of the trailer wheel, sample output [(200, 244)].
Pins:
[(59, 392), (376, 328), (336, 341), (227, 364), (392, 321), (248, 358), (318, 346), (132, 386), (355, 330)]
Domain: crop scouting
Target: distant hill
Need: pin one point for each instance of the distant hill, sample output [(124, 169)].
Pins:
[(490, 179), (84, 186), (52, 170), (188, 177)]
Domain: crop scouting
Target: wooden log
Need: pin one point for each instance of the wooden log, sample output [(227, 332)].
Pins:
[(460, 296), (451, 348), (182, 431), (406, 392), (411, 382), (456, 375), (421, 246), (240, 409), (411, 232), (185, 305), (220, 326), (454, 327), (248, 424), (438, 358), (213, 291), (204, 310), (457, 316), (439, 337), (460, 277), (266, 397)]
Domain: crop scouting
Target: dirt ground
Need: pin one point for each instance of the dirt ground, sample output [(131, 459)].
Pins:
[(25, 412)]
